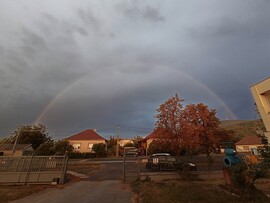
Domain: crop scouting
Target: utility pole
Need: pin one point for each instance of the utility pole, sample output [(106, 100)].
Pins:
[(118, 139)]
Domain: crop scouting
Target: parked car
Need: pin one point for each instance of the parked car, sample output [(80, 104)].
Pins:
[(167, 162), (161, 162), (131, 152)]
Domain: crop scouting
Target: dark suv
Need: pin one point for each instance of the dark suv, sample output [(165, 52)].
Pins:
[(161, 162)]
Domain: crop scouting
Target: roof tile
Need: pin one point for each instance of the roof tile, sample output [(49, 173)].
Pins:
[(249, 140), (86, 135)]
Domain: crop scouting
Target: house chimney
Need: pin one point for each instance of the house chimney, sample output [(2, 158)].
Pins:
[(95, 130)]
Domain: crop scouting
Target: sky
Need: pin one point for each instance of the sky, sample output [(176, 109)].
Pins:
[(96, 64)]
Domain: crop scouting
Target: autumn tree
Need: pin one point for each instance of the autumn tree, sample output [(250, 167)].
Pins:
[(169, 119), (156, 147), (202, 128)]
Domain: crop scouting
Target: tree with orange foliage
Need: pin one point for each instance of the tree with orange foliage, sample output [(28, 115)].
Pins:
[(202, 128), (191, 129), (169, 119)]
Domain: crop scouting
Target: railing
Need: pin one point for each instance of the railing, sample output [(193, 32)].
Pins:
[(134, 167), (33, 169)]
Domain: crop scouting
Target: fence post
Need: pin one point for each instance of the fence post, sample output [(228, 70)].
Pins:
[(64, 170), (124, 169), (139, 167), (28, 169)]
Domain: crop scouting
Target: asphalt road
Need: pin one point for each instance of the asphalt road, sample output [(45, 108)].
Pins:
[(107, 171)]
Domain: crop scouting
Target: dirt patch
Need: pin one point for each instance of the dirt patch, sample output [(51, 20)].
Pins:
[(188, 191), (14, 192), (264, 186)]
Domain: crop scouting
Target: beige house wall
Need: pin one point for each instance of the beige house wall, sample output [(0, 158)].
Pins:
[(261, 95), (246, 148), (123, 142), (85, 145), (148, 142)]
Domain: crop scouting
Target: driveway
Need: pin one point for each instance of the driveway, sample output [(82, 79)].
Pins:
[(107, 191), (102, 186)]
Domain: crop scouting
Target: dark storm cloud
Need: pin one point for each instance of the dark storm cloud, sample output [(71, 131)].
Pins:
[(77, 65)]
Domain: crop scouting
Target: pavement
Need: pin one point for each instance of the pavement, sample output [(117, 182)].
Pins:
[(105, 191)]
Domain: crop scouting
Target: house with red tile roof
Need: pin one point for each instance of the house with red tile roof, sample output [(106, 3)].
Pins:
[(84, 141), (248, 143), (145, 142)]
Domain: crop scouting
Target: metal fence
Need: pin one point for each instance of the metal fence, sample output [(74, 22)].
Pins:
[(33, 169), (134, 167)]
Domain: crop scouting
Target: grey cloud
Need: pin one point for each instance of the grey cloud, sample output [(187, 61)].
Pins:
[(136, 11), (82, 31), (8, 85), (152, 14), (15, 62), (98, 70), (88, 18), (50, 18)]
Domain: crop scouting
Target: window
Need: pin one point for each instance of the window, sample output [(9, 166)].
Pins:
[(265, 99), (267, 96), (76, 146), (90, 146)]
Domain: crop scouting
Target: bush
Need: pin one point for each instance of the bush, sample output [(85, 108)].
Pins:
[(78, 155), (244, 177), (100, 150)]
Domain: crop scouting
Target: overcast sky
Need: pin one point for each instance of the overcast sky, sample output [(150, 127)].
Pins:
[(75, 65)]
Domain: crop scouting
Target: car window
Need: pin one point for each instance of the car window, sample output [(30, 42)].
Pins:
[(170, 158), (161, 158)]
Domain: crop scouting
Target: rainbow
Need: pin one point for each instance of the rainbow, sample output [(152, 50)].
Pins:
[(229, 113)]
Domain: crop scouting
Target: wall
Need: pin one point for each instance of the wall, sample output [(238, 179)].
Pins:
[(261, 95), (84, 144), (241, 148)]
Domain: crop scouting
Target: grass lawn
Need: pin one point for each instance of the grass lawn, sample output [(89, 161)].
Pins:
[(13, 192), (189, 191)]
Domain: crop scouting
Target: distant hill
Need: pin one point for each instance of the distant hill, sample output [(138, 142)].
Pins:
[(242, 128)]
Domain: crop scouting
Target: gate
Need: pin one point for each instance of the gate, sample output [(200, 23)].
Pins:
[(131, 168), (33, 169)]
